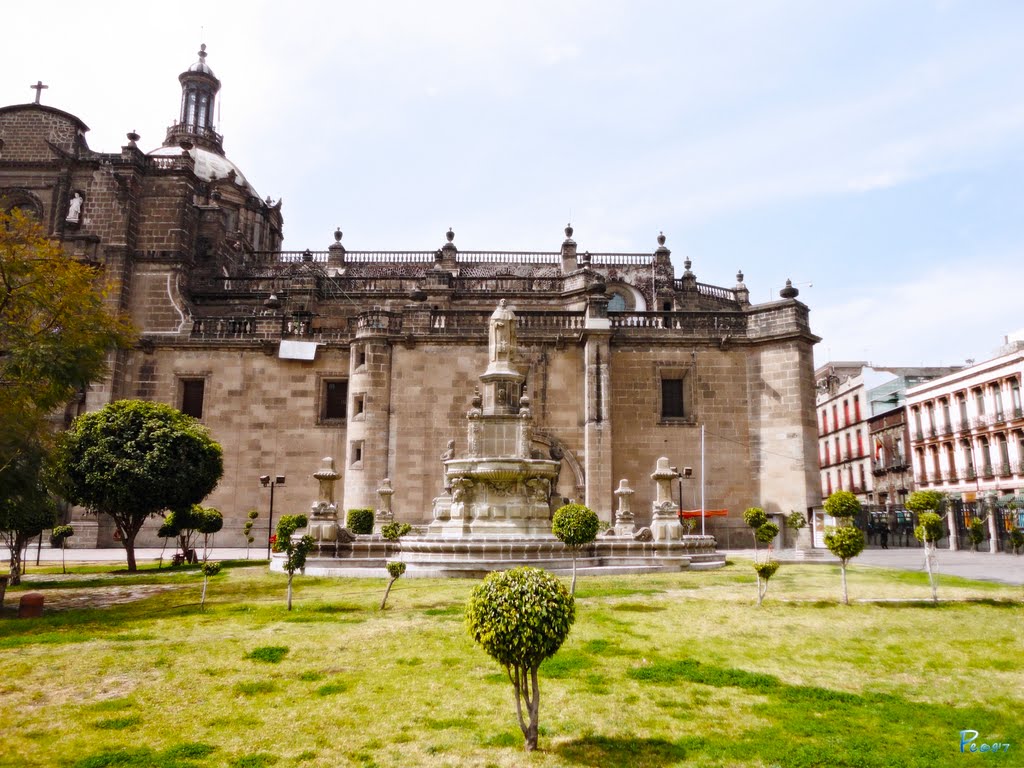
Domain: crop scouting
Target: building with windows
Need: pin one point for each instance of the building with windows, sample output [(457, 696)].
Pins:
[(967, 431), (862, 439), (367, 355)]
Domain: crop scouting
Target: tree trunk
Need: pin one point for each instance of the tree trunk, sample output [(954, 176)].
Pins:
[(518, 678), (290, 590), (846, 596), (202, 600), (15, 566), (758, 575), (386, 593), (928, 551), (572, 589), (164, 547), (534, 707), (63, 561)]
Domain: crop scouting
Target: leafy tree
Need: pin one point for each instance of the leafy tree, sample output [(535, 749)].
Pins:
[(575, 525), (521, 617), (295, 552), (247, 530), (56, 331), (166, 531), (755, 517), (976, 533), (845, 542), (25, 512), (395, 571), (1017, 540), (926, 505), (842, 505), (393, 532), (59, 535), (208, 521), (764, 572), (208, 569), (928, 531), (132, 459)]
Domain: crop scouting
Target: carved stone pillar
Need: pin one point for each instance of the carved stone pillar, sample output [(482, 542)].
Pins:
[(624, 521), (664, 519)]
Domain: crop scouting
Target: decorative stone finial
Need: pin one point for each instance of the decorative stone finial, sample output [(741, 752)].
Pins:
[(661, 238), (272, 302), (132, 137), (789, 292), (450, 234), (202, 51), (307, 255), (686, 267), (568, 231), (739, 277), (337, 235)]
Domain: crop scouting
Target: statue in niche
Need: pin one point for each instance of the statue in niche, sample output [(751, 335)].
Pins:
[(449, 453), (502, 333), (501, 396), (75, 208)]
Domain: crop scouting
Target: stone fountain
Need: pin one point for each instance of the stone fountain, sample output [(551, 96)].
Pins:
[(496, 507)]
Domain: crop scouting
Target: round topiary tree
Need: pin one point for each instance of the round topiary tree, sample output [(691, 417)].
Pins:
[(845, 543), (929, 529), (521, 617), (575, 526), (842, 505), (295, 552), (755, 517)]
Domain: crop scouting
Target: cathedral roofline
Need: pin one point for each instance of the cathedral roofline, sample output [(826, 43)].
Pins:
[(44, 108)]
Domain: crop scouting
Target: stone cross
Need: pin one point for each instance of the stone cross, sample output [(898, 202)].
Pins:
[(38, 88)]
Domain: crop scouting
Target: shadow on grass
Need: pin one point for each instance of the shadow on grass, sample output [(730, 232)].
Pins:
[(636, 753), (809, 725)]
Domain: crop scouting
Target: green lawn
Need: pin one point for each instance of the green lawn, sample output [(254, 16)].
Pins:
[(658, 671)]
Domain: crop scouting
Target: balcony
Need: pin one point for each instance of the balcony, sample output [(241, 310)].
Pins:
[(918, 435), (1005, 469), (950, 475), (998, 418), (986, 471), (971, 474), (932, 432), (947, 429), (1018, 413)]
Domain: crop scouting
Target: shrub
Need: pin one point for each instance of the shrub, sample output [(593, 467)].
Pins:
[(394, 531), (976, 533), (755, 517), (360, 521), (795, 520), (766, 533), (521, 617), (764, 572), (1017, 540), (575, 526)]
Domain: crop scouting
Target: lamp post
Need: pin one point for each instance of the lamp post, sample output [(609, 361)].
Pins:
[(266, 481)]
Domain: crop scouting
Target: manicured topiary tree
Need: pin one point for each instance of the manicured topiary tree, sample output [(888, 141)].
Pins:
[(846, 541), (295, 551), (976, 533), (1017, 540), (393, 532), (60, 534), (165, 532), (929, 529), (764, 572), (755, 517), (796, 520), (575, 525), (360, 521), (208, 521), (133, 459), (208, 569), (521, 617), (247, 530)]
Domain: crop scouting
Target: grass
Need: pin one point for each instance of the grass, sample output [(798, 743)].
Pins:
[(665, 670)]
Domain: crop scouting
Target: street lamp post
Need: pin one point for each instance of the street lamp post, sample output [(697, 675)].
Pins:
[(266, 481)]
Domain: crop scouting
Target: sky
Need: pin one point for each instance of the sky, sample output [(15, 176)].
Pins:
[(871, 152)]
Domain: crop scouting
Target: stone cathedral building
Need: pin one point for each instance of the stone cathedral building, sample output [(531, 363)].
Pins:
[(372, 357)]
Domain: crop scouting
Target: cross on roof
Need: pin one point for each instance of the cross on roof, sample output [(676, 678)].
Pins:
[(38, 88)]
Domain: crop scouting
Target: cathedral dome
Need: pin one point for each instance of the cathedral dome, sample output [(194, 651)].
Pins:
[(201, 65), (209, 165)]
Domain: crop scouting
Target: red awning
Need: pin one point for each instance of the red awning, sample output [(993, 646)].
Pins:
[(707, 513)]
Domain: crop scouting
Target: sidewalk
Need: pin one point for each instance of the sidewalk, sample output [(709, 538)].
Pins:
[(1001, 567)]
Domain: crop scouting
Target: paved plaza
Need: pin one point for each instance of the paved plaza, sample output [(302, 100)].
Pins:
[(1001, 567)]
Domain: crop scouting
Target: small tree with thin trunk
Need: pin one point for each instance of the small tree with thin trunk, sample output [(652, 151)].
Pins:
[(576, 526), (208, 521), (295, 552), (166, 531), (208, 569), (59, 535), (247, 530), (929, 529), (766, 534), (521, 617), (846, 541), (755, 517), (23, 516), (393, 532)]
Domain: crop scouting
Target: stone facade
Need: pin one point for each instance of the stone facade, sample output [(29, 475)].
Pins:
[(368, 356)]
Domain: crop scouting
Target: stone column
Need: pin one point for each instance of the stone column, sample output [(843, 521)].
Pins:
[(597, 430), (624, 522), (369, 388), (665, 514), (954, 536), (384, 514), (993, 522)]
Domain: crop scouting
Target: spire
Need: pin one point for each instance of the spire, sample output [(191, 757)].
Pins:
[(199, 88)]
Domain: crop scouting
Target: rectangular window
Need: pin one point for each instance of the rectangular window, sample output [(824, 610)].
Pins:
[(358, 405), (360, 357), (334, 399), (672, 399), (356, 455), (192, 391), (856, 408)]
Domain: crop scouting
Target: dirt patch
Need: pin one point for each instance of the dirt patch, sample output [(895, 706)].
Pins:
[(92, 597)]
